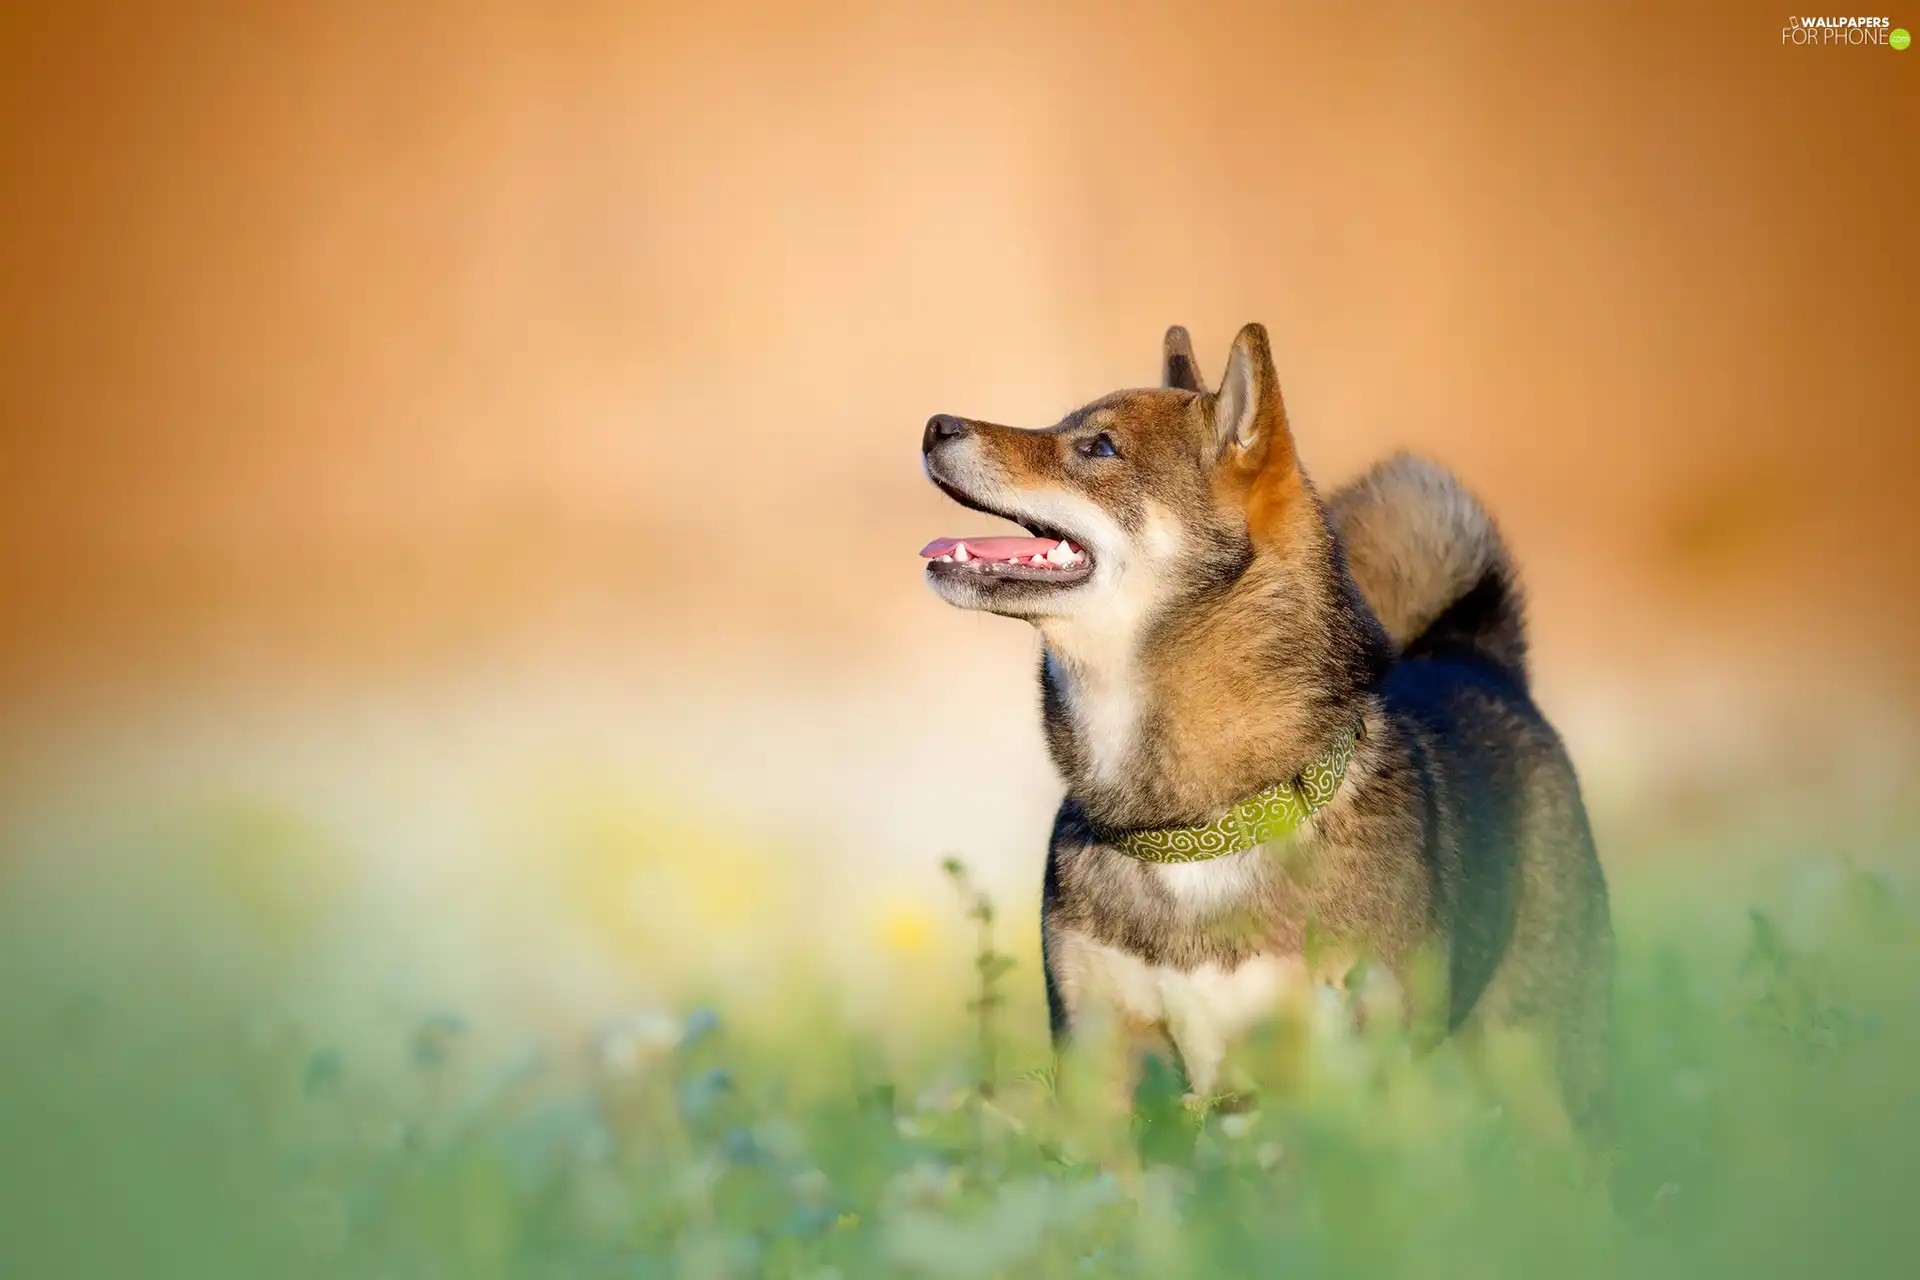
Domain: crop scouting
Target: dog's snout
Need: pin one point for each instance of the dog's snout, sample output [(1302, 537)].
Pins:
[(942, 427)]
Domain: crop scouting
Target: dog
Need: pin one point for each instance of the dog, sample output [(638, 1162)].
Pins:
[(1295, 734)]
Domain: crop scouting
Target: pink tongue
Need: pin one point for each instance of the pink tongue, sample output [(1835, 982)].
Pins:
[(991, 548)]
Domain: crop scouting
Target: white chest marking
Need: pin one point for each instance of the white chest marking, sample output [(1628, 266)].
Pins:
[(1091, 647), (1205, 887), (1203, 1009), (1100, 696)]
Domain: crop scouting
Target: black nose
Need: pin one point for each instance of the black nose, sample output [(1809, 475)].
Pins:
[(942, 427)]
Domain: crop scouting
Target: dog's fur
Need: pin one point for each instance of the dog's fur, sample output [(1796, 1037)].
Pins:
[(1232, 627)]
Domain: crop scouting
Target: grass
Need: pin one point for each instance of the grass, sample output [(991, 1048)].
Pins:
[(1770, 1125)]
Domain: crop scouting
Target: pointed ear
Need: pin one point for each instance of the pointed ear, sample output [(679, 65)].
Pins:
[(1179, 369), (1248, 414)]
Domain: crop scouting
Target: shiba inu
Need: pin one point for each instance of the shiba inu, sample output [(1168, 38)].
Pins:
[(1295, 734)]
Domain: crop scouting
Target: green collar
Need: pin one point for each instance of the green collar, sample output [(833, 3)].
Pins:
[(1266, 815)]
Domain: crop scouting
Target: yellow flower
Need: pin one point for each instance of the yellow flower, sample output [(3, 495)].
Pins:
[(906, 927)]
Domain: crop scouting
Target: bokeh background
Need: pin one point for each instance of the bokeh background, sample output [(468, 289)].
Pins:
[(458, 463)]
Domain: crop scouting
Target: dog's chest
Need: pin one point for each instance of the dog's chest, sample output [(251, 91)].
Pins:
[(1224, 1000), (1203, 1009)]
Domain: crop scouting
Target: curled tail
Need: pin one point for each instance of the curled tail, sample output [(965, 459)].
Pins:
[(1429, 560)]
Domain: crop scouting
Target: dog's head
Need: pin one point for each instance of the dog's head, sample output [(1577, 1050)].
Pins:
[(1134, 500)]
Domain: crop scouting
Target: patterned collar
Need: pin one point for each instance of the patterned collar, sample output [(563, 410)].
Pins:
[(1264, 816)]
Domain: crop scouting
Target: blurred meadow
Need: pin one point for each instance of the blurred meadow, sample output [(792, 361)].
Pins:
[(477, 758)]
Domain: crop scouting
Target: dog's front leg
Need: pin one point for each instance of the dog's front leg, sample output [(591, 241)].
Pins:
[(1100, 1051)]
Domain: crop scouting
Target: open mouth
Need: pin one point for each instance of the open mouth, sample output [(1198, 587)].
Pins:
[(1049, 557), (1037, 559)]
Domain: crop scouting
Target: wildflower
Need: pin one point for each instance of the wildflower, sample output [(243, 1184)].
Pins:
[(700, 1094), (811, 1186), (1238, 1124), (627, 1044), (905, 928), (433, 1039), (691, 1185), (945, 1097), (739, 1146), (913, 1128), (923, 1185), (782, 1138), (701, 1022)]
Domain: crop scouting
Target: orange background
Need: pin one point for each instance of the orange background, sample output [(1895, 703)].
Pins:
[(433, 392)]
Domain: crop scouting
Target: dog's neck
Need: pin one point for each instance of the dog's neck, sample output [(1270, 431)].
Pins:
[(1173, 715)]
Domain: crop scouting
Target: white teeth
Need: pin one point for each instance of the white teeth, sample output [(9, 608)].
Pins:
[(1058, 555), (1041, 561), (960, 553), (946, 559)]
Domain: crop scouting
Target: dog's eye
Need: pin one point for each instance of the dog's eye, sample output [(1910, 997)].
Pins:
[(1100, 446)]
